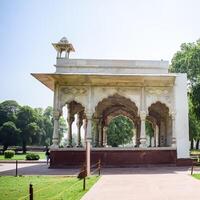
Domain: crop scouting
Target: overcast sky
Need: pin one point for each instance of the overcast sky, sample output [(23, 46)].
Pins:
[(115, 29)]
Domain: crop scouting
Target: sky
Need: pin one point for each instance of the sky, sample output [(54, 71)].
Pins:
[(105, 29)]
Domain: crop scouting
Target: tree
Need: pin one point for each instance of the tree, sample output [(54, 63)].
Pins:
[(9, 134), (25, 117), (187, 60), (120, 131), (8, 111), (194, 126), (48, 112), (35, 133), (149, 131), (62, 128)]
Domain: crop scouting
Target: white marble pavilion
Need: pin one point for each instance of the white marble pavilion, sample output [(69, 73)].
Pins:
[(99, 90)]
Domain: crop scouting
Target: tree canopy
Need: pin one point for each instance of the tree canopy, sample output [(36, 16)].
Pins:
[(23, 125), (120, 131), (187, 60)]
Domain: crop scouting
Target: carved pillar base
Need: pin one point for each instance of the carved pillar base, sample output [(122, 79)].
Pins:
[(143, 142), (173, 142), (55, 143)]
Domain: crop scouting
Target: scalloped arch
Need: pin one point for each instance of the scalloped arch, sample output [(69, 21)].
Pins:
[(116, 95)]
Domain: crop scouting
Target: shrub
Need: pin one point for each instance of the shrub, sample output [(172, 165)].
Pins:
[(32, 156), (9, 154)]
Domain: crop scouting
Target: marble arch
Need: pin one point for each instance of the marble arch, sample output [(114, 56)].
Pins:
[(132, 87)]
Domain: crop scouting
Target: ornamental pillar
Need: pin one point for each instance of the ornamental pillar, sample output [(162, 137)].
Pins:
[(96, 136), (56, 116), (88, 141), (105, 128), (85, 130), (173, 114), (142, 129), (55, 140), (70, 120), (79, 123), (101, 132)]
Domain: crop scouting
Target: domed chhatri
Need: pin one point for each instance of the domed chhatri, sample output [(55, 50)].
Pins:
[(63, 46), (64, 40)]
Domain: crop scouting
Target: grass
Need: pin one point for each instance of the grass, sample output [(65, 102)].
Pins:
[(197, 176), (23, 156), (44, 187), (194, 151)]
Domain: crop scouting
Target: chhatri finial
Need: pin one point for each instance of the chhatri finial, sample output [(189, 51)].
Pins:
[(63, 46)]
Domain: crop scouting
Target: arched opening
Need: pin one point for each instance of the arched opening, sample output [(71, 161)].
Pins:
[(110, 108), (159, 113), (120, 132), (76, 119)]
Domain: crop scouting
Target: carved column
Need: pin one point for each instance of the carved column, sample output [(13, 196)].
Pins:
[(96, 123), (162, 133), (105, 128), (173, 130), (56, 116), (70, 119), (88, 141), (142, 129), (101, 132), (79, 123), (85, 130)]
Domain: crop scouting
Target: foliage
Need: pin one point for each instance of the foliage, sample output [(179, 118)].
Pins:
[(120, 131), (8, 111), (62, 128), (195, 98), (27, 126), (25, 117), (50, 187), (23, 156), (9, 153), (9, 134), (187, 60), (149, 131), (32, 156)]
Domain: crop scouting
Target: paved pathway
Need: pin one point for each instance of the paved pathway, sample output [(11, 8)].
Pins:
[(165, 183), (151, 183), (34, 169)]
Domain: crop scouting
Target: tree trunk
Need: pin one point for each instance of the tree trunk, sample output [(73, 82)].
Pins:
[(24, 147), (197, 144), (192, 144)]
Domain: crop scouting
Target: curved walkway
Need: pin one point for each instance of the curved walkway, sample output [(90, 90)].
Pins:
[(164, 183)]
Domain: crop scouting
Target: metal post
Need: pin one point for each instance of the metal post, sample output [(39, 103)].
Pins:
[(16, 169), (84, 176), (30, 192), (99, 167), (84, 183)]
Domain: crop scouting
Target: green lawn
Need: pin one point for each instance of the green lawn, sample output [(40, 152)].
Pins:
[(44, 187), (197, 176), (23, 156), (194, 151)]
